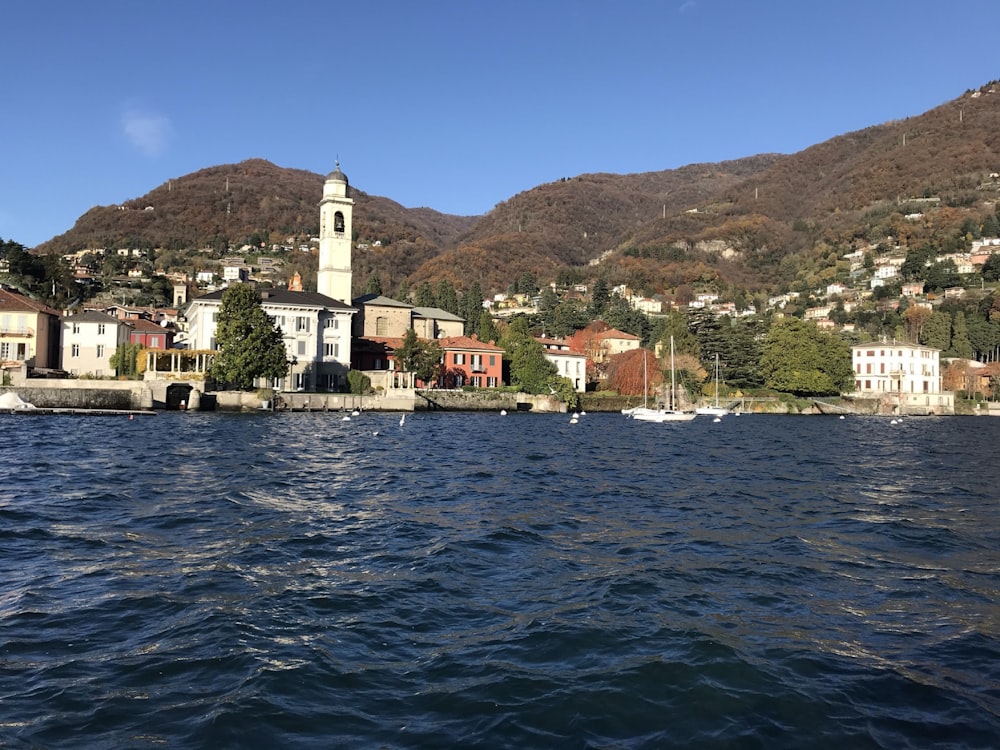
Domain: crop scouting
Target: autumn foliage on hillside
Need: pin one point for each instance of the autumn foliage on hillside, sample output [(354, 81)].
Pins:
[(757, 223)]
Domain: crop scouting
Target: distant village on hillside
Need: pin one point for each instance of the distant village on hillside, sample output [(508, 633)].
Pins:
[(327, 334)]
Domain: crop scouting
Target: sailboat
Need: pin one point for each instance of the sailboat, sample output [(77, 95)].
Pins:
[(716, 410), (666, 415)]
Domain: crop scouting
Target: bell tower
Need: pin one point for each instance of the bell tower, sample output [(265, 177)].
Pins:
[(334, 277)]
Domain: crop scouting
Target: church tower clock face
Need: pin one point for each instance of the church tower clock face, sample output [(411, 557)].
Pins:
[(335, 215)]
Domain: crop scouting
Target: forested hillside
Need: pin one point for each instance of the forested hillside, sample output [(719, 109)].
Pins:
[(748, 226)]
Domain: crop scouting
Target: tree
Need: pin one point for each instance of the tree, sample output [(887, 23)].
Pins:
[(942, 275), (675, 324), (487, 328), (250, 344), (799, 358), (529, 370), (599, 298), (547, 303), (991, 268), (633, 372), (425, 296), (422, 358), (472, 306), (961, 346), (915, 264), (447, 297), (569, 316), (915, 317), (374, 284), (358, 383), (936, 331), (125, 360)]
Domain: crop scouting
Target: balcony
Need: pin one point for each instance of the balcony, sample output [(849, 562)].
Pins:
[(25, 332)]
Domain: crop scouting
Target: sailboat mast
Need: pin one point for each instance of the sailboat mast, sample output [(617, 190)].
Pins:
[(716, 379), (671, 373)]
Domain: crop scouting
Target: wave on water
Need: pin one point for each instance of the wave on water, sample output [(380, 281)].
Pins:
[(292, 580)]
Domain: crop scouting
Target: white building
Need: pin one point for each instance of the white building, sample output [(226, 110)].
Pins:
[(888, 271), (570, 364), (315, 328), (89, 340), (907, 376)]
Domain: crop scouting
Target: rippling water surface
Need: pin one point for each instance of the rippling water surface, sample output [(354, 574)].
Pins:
[(471, 580)]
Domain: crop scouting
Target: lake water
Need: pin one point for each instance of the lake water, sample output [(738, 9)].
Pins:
[(472, 580)]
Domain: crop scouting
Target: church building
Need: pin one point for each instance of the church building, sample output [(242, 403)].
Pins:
[(315, 326)]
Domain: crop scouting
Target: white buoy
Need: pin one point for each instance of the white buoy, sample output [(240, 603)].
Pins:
[(375, 434), (503, 412), (574, 420), (716, 420), (355, 413), (345, 419), (841, 416), (893, 421), (583, 413)]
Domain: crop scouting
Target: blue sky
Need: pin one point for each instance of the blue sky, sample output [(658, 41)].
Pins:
[(452, 104)]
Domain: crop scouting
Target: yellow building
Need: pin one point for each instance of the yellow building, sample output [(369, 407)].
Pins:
[(29, 332)]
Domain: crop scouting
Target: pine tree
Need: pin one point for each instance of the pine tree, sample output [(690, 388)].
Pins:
[(374, 285)]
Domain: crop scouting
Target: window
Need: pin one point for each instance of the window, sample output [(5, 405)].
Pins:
[(75, 350), (302, 347), (76, 328), (100, 329), (302, 324), (477, 382), (381, 326), (328, 350), (5, 350), (493, 360), (491, 382), (331, 323), (100, 350), (459, 359), (338, 222)]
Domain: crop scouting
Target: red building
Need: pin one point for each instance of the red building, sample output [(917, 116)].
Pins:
[(469, 361), (149, 334)]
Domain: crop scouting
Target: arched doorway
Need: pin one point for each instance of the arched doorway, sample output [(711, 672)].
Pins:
[(178, 394)]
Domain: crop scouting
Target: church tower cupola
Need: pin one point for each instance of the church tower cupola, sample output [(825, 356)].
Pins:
[(335, 238)]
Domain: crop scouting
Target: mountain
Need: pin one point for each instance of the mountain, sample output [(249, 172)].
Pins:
[(755, 223)]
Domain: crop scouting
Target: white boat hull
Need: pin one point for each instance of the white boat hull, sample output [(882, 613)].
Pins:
[(651, 415), (712, 411)]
